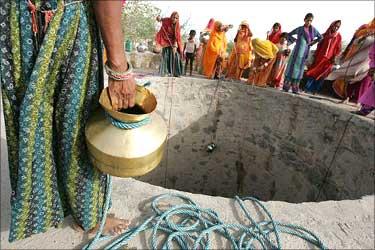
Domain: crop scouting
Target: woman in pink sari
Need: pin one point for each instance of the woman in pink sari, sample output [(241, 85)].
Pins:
[(367, 100), (351, 80)]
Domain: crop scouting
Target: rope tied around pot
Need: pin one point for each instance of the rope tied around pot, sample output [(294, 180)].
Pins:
[(127, 125)]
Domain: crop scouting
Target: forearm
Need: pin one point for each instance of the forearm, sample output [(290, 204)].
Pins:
[(314, 42), (108, 17)]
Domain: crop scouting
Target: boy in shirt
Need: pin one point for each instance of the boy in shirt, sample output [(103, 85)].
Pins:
[(190, 49)]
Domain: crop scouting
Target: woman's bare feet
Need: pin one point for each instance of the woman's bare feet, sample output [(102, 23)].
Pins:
[(346, 101), (113, 226)]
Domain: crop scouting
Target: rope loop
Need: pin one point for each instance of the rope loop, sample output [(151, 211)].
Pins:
[(128, 125), (189, 226)]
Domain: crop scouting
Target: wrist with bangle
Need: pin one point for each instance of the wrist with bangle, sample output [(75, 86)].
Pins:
[(119, 75)]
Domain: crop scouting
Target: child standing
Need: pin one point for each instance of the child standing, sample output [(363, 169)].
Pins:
[(277, 73), (190, 49)]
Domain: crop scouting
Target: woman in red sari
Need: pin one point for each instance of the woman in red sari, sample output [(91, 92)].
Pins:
[(274, 34), (327, 51), (169, 38)]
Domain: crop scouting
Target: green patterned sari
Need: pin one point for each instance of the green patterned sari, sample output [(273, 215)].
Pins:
[(48, 91)]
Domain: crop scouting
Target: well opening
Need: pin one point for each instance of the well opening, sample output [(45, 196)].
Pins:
[(271, 145)]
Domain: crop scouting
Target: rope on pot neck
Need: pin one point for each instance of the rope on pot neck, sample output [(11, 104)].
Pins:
[(128, 125)]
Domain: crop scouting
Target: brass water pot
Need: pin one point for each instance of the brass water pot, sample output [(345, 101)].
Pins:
[(126, 152)]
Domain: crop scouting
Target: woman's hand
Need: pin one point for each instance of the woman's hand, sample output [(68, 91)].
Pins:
[(122, 93), (108, 17)]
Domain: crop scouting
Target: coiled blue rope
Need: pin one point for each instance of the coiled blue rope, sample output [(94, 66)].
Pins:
[(190, 226), (128, 125)]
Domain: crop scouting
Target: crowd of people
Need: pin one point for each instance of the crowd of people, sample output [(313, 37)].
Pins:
[(270, 62)]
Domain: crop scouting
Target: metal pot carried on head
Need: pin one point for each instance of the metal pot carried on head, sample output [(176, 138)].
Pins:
[(126, 144)]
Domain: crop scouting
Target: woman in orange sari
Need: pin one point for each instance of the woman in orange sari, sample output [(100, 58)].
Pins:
[(215, 49), (265, 53), (240, 57), (204, 36), (350, 80)]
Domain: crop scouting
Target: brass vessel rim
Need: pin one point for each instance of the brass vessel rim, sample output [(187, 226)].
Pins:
[(142, 94)]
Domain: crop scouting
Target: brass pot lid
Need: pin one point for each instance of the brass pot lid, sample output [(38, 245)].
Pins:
[(143, 98)]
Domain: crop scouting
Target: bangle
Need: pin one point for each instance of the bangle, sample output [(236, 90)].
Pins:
[(119, 76)]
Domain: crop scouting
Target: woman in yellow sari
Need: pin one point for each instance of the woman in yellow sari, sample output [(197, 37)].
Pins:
[(265, 54), (215, 49), (240, 57)]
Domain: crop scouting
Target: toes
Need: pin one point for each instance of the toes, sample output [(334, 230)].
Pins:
[(117, 231), (77, 228), (126, 223), (111, 215), (120, 229)]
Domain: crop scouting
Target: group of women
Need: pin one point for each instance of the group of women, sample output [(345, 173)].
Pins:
[(270, 62)]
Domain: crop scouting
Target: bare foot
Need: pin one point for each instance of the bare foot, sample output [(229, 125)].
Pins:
[(113, 226), (346, 101)]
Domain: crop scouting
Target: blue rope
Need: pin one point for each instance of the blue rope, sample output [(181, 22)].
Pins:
[(128, 125), (190, 227)]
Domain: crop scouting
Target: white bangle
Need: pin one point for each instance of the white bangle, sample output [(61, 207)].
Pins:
[(119, 76)]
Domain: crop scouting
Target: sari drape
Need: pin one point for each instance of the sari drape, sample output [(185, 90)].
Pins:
[(241, 55), (169, 35), (265, 51), (48, 92), (355, 61), (216, 46), (295, 68), (327, 50), (276, 77)]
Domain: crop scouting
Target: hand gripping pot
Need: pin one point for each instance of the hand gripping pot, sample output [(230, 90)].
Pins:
[(126, 152)]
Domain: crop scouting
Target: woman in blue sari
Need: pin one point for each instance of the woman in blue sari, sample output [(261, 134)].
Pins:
[(51, 76), (307, 36)]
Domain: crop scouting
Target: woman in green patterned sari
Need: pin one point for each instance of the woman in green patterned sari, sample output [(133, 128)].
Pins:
[(51, 77)]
